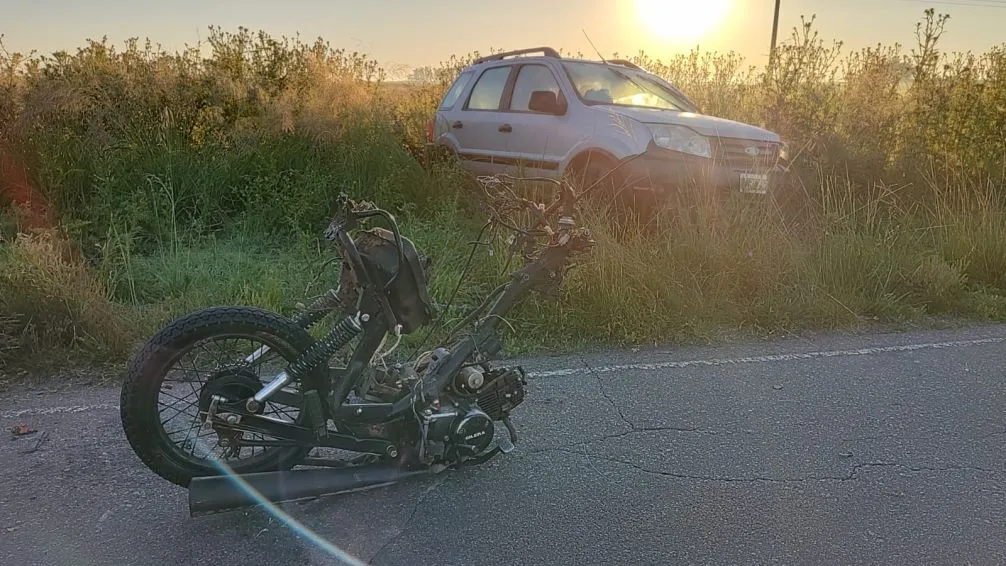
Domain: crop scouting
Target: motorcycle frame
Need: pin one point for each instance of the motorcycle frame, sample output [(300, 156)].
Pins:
[(374, 330), (521, 282)]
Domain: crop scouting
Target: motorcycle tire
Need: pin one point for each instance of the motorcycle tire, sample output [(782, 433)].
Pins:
[(139, 403)]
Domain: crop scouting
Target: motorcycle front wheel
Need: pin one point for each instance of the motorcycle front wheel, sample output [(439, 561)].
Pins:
[(171, 381)]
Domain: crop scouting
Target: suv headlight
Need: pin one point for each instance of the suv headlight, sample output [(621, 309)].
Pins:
[(680, 138)]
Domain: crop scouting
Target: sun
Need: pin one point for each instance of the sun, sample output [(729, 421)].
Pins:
[(681, 19)]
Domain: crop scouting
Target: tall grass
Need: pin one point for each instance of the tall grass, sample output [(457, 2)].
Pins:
[(52, 303), (184, 180)]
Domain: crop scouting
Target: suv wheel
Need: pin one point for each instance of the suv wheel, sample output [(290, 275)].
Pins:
[(587, 170), (612, 193)]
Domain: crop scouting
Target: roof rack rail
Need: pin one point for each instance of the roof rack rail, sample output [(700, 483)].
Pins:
[(547, 51), (625, 63)]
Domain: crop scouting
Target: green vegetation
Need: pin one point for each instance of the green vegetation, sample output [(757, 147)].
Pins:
[(180, 180)]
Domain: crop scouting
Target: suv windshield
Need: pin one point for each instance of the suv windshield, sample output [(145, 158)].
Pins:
[(597, 83)]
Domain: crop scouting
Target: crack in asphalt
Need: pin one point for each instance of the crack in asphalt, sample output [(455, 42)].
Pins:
[(408, 521), (853, 474), (657, 429), (990, 435), (729, 479), (932, 436), (949, 468), (604, 393), (633, 429)]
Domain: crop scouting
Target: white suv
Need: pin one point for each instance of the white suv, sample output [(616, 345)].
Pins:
[(551, 116)]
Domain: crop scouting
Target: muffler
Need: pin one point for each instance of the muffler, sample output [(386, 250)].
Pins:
[(217, 494)]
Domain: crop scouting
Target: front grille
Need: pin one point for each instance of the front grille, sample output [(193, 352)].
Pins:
[(747, 155)]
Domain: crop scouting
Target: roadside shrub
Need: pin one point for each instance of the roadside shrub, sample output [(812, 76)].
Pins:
[(50, 301), (184, 180)]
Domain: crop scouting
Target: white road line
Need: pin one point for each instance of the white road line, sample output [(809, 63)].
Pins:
[(56, 410), (625, 367), (769, 358)]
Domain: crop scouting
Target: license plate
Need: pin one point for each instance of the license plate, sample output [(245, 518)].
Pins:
[(753, 183)]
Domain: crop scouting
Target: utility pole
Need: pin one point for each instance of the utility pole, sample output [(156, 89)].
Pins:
[(775, 34), (775, 27)]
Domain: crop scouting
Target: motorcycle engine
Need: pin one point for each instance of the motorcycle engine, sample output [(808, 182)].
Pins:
[(465, 428), (456, 433), (473, 432)]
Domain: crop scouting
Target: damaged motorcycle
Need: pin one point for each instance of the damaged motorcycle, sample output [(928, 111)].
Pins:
[(227, 401)]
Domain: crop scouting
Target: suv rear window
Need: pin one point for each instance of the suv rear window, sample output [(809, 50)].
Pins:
[(455, 91), (488, 89)]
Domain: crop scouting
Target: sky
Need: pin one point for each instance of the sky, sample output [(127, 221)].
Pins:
[(401, 33)]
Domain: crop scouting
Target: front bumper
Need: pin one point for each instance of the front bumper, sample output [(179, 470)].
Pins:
[(665, 172)]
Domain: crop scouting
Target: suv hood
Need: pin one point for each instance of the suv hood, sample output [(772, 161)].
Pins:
[(706, 125)]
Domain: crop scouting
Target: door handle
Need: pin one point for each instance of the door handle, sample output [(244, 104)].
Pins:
[(506, 128), (457, 125)]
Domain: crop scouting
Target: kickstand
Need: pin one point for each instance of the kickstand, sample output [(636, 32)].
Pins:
[(479, 459), (504, 447)]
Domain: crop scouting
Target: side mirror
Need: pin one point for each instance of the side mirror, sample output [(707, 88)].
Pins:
[(547, 102)]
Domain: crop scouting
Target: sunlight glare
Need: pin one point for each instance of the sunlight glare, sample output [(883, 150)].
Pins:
[(681, 19)]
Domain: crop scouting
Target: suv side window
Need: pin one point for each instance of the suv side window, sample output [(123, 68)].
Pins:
[(488, 91), (529, 79), (455, 91)]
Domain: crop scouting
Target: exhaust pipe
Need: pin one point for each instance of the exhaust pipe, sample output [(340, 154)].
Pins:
[(217, 494)]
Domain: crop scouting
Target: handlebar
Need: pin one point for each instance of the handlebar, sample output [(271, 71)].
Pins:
[(562, 209), (350, 212), (565, 203)]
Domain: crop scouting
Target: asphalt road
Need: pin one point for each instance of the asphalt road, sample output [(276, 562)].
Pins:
[(884, 449)]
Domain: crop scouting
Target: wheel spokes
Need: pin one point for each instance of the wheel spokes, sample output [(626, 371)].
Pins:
[(211, 367)]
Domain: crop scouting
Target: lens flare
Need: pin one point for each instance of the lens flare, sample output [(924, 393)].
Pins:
[(681, 19), (282, 516)]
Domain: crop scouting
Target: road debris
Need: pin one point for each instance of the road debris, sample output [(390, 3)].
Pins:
[(21, 429)]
